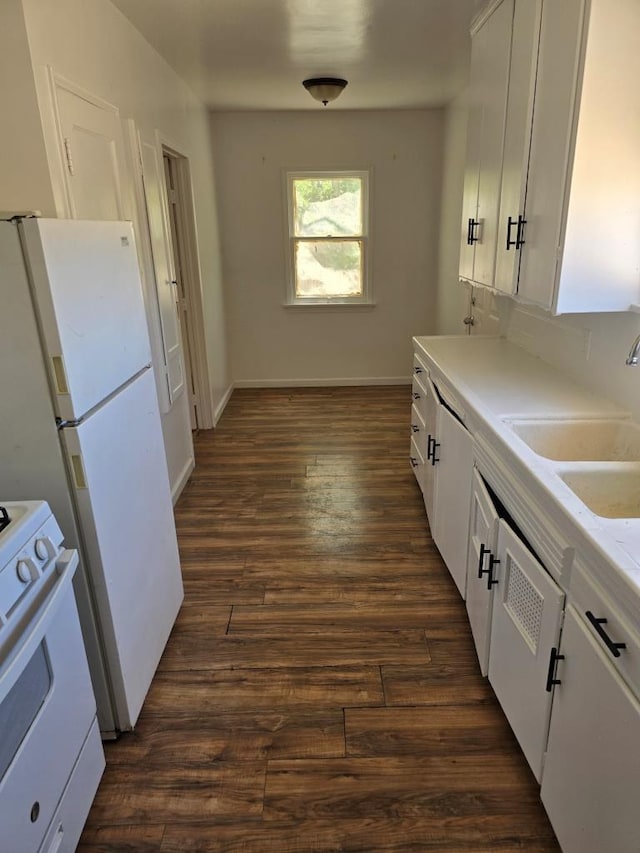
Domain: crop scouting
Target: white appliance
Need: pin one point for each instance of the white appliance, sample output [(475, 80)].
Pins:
[(80, 428), (51, 757)]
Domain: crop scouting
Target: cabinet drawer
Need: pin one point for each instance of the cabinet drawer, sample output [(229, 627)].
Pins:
[(419, 396), (588, 597), (418, 428), (420, 367), (417, 462)]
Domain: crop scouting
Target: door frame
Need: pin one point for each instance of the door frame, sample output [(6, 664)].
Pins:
[(187, 237)]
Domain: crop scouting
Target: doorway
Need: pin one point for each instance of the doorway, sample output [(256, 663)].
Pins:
[(182, 228)]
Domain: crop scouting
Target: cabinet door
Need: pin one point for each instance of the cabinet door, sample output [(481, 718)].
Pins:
[(515, 160), (428, 477), (592, 770), (494, 40), (472, 166), (454, 469), (558, 65), (483, 527), (93, 151), (526, 619)]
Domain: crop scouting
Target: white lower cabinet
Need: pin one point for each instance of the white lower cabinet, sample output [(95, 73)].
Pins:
[(452, 456), (429, 475), (525, 627), (591, 775), (483, 534)]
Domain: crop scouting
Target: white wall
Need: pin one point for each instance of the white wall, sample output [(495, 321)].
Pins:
[(272, 344), (591, 348), (24, 176), (453, 297), (92, 44)]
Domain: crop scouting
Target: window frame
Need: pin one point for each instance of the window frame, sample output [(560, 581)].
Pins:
[(291, 298)]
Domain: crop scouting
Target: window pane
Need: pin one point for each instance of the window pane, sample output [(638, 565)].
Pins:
[(327, 207), (328, 268)]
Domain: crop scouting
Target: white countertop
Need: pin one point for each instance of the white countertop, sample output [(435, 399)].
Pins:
[(495, 381)]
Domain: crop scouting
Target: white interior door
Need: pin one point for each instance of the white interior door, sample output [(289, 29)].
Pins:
[(121, 487), (525, 626), (483, 528), (92, 152), (165, 277), (89, 298)]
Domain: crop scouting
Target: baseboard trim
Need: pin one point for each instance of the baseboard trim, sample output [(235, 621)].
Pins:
[(322, 383), (222, 404), (181, 482)]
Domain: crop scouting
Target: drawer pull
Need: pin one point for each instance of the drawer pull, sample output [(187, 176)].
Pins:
[(415, 395), (483, 553), (553, 661), (415, 427), (414, 462), (417, 369), (597, 624)]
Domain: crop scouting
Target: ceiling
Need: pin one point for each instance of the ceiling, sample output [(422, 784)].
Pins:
[(254, 54)]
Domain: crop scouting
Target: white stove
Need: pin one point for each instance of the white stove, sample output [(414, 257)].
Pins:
[(29, 539), (51, 756)]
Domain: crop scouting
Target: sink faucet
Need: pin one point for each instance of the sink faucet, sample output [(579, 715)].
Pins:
[(633, 357)]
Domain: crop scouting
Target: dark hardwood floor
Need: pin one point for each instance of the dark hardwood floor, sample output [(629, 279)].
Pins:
[(320, 690)]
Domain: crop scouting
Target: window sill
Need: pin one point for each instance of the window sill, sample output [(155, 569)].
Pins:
[(330, 306)]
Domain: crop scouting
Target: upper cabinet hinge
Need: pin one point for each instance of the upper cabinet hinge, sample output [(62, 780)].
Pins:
[(67, 151)]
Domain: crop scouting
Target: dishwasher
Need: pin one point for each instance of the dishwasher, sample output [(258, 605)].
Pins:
[(51, 756)]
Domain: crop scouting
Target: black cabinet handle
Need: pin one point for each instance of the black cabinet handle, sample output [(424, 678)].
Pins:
[(414, 462), (490, 579), (415, 428), (434, 447), (597, 623), (417, 369), (483, 552), (415, 395), (472, 237), (551, 672), (518, 242)]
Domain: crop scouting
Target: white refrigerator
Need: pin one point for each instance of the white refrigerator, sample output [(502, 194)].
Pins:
[(80, 428)]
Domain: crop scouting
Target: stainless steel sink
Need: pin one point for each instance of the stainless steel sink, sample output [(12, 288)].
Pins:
[(581, 440), (609, 490)]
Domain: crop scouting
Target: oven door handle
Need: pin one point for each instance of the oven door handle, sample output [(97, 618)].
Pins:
[(17, 651)]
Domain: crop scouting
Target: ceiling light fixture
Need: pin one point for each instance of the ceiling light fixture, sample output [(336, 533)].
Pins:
[(324, 89)]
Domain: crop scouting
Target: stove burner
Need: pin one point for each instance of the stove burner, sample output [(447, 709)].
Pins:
[(5, 521)]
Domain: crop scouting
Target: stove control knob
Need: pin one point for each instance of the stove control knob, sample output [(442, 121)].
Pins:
[(41, 548), (23, 571)]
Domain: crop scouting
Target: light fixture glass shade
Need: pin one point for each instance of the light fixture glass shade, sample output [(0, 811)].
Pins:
[(324, 89)]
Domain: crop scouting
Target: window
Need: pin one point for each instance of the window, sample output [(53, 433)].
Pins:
[(328, 218)]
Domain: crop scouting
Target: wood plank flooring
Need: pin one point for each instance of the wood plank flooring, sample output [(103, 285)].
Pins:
[(320, 690)]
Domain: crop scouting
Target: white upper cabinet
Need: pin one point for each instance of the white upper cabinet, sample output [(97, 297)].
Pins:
[(491, 47), (515, 160), (583, 199), (569, 197)]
